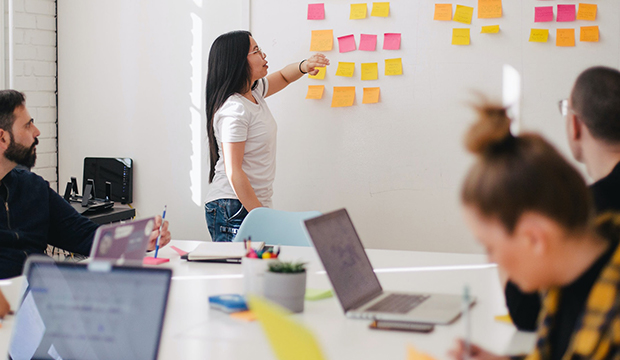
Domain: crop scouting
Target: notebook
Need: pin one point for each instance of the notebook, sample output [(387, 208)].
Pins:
[(356, 284), (221, 251), (70, 311), (122, 243)]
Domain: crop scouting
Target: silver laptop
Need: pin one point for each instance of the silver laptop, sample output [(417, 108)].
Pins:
[(356, 284), (70, 311), (122, 243)]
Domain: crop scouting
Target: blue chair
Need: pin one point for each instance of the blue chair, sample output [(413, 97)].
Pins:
[(276, 227)]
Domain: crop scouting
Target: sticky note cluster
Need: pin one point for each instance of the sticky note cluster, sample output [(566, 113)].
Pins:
[(360, 11), (565, 37), (368, 42), (487, 9)]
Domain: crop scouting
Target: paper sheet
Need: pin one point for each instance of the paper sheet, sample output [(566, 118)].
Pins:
[(539, 35), (589, 34), (370, 71), (316, 11), (443, 12), (322, 40), (345, 69), (490, 29), (543, 13), (393, 67), (463, 14), (460, 36), (565, 37), (587, 12), (391, 41), (371, 95), (343, 96), (380, 9), (358, 11), (346, 43), (320, 75), (368, 42), (315, 92), (488, 9)]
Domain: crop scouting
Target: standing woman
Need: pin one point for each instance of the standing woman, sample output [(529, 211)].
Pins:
[(241, 129)]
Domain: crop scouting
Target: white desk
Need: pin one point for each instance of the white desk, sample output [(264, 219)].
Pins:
[(193, 331)]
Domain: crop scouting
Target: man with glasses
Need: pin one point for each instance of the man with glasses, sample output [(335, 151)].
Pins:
[(592, 114)]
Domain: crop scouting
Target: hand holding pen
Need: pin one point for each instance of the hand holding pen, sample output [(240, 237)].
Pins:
[(159, 234), (163, 218)]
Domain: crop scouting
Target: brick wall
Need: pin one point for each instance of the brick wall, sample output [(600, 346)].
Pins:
[(35, 75)]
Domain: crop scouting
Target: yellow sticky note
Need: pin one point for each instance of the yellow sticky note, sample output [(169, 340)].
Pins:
[(491, 29), (589, 34), (443, 12), (503, 318), (380, 9), (460, 36), (539, 35), (463, 14), (488, 9), (371, 95), (370, 71), (322, 40), (289, 339), (358, 11), (393, 66), (565, 37), (343, 96), (315, 91), (587, 12), (320, 75), (345, 69), (413, 354)]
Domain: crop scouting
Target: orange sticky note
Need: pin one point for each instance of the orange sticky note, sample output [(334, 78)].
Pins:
[(371, 95), (463, 14), (343, 96), (587, 12), (413, 354), (565, 37), (358, 11), (443, 12), (589, 34), (370, 71), (380, 9), (322, 40), (491, 29), (244, 316), (488, 9), (320, 75), (460, 36), (315, 92), (539, 35), (393, 66)]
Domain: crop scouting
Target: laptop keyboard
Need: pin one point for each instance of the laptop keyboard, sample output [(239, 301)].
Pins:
[(398, 303)]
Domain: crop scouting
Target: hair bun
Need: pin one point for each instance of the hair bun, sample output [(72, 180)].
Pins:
[(490, 131)]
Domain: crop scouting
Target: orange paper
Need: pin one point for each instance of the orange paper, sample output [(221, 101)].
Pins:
[(587, 12), (244, 316), (488, 9), (565, 37), (589, 34), (371, 95), (315, 92), (322, 40), (343, 96), (443, 12)]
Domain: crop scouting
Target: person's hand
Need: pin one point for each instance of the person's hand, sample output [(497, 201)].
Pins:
[(317, 60), (475, 353), (165, 234)]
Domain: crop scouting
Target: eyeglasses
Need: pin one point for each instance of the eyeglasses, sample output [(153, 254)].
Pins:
[(563, 107), (259, 51)]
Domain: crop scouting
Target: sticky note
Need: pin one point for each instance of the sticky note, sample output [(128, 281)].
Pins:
[(316, 11), (288, 338), (370, 71), (488, 9), (343, 96), (178, 251), (463, 14), (443, 12), (490, 29), (371, 95), (565, 37), (345, 69), (320, 75), (543, 13), (539, 35), (380, 9), (358, 11), (391, 41), (566, 13), (393, 66), (149, 260), (460, 36), (587, 12), (589, 34), (322, 40), (413, 354), (318, 294), (246, 316), (315, 92), (368, 42), (503, 318), (346, 43)]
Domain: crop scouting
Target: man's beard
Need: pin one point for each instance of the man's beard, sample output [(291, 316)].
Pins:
[(22, 155)]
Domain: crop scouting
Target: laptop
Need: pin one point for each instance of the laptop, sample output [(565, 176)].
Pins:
[(122, 243), (70, 311), (356, 284)]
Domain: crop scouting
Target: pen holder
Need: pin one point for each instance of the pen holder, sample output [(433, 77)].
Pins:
[(286, 289), (253, 275)]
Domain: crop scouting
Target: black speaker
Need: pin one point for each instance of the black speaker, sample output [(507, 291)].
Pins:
[(117, 171)]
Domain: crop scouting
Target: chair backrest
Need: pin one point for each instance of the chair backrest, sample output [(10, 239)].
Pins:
[(276, 227)]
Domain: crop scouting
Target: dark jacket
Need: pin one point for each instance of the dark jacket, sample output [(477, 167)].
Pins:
[(32, 216)]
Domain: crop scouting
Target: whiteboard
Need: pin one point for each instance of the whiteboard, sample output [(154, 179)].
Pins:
[(397, 165)]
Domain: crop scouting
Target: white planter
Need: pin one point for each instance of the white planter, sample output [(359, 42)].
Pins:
[(254, 275), (285, 289)]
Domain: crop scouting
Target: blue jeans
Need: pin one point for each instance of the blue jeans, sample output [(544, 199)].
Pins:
[(224, 216)]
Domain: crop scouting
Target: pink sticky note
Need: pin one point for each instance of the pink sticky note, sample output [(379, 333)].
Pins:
[(566, 13), (179, 251), (391, 41), (154, 261), (346, 43), (368, 42), (543, 14), (316, 11)]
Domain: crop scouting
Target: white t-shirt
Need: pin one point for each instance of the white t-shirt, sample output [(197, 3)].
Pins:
[(239, 119)]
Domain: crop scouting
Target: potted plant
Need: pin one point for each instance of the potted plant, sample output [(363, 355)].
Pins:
[(285, 284)]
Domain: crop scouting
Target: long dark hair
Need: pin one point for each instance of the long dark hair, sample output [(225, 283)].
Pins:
[(228, 73)]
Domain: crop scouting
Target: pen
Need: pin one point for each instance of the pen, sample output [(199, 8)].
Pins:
[(466, 301), (163, 217)]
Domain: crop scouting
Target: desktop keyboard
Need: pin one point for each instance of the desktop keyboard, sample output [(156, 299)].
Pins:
[(398, 303)]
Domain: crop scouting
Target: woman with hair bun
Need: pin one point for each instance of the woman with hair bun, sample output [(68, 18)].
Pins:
[(533, 213)]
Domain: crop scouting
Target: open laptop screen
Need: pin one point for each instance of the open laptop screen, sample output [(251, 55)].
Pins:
[(344, 258), (70, 312)]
